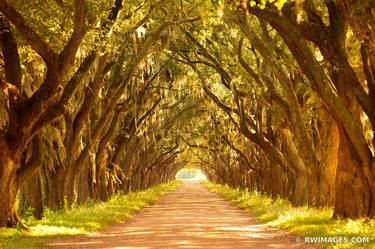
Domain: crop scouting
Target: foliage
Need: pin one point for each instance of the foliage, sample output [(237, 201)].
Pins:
[(267, 94)]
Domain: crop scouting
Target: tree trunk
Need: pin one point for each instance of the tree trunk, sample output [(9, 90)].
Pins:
[(83, 191), (328, 141), (354, 190), (70, 188), (8, 186), (52, 186), (300, 195), (102, 182), (99, 177), (30, 196)]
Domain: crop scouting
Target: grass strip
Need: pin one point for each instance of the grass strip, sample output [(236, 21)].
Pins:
[(303, 221), (88, 217)]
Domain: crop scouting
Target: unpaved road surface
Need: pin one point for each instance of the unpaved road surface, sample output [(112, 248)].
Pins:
[(189, 217)]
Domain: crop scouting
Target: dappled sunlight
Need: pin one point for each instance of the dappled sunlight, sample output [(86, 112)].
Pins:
[(271, 100), (190, 217), (83, 221), (42, 230), (253, 228), (304, 220)]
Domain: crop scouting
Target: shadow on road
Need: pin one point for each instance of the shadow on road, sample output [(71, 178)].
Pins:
[(190, 217)]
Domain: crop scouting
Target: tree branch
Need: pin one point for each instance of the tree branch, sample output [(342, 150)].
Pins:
[(67, 55), (12, 65), (31, 167)]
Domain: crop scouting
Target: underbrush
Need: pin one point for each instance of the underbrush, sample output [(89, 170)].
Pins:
[(86, 218), (302, 221)]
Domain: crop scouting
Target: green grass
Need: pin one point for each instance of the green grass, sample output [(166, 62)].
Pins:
[(302, 221), (87, 218)]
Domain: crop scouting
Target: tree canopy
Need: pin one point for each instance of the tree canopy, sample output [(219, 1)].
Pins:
[(106, 96)]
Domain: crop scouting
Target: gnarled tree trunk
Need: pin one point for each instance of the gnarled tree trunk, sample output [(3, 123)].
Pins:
[(8, 186), (355, 191)]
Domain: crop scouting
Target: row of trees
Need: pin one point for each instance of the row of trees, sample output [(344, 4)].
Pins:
[(106, 96), (87, 98), (293, 90)]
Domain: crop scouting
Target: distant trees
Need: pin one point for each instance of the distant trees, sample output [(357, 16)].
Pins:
[(98, 97), (343, 82), (80, 82), (297, 86)]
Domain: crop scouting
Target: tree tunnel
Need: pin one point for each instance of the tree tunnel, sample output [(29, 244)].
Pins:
[(190, 174), (106, 96)]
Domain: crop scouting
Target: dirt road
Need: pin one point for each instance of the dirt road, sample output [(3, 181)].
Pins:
[(190, 217)]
